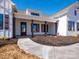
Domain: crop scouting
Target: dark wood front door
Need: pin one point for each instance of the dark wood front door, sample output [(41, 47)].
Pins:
[(23, 28)]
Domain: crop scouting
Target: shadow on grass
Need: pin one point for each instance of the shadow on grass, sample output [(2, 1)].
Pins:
[(6, 42)]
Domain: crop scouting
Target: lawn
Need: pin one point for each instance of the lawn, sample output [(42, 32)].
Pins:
[(12, 51)]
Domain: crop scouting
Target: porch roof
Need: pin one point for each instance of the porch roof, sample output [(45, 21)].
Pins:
[(37, 18)]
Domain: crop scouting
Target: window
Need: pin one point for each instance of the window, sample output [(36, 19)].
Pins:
[(77, 26), (35, 14), (6, 21), (71, 25), (77, 7), (36, 28), (75, 12), (43, 28), (1, 21)]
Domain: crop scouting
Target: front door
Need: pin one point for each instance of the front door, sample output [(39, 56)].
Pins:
[(23, 28)]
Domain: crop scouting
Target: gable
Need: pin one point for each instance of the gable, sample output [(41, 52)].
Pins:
[(73, 12), (8, 6), (65, 11)]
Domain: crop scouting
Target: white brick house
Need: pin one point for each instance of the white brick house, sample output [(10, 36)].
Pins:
[(33, 22)]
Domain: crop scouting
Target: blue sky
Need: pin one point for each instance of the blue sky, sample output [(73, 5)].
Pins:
[(49, 7)]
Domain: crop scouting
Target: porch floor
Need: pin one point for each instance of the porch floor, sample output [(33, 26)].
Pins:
[(56, 40)]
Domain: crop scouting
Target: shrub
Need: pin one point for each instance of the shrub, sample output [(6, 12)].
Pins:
[(3, 38)]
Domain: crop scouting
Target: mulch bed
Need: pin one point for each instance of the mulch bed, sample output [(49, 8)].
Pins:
[(56, 40)]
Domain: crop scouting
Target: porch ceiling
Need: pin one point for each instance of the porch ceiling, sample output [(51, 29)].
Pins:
[(40, 18)]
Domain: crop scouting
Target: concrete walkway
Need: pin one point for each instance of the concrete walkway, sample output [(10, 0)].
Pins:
[(49, 52)]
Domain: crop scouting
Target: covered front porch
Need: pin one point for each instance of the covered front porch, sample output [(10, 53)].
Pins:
[(30, 26)]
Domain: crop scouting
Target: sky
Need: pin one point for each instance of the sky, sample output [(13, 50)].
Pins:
[(49, 7)]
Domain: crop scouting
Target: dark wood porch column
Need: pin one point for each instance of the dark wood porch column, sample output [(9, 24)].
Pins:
[(14, 26), (56, 28), (32, 28), (46, 28)]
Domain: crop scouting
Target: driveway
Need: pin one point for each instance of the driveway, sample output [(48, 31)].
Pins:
[(49, 52)]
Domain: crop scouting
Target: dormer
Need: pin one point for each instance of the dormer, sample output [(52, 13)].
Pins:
[(33, 12)]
